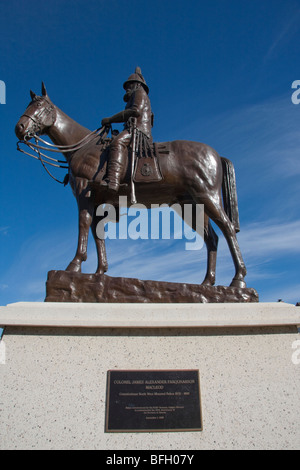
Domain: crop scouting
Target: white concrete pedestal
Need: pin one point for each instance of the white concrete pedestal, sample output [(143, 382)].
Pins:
[(54, 370)]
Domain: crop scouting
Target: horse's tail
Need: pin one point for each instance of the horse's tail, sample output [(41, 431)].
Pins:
[(230, 193)]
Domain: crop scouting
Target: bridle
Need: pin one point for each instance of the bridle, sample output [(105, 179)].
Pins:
[(37, 120), (37, 129)]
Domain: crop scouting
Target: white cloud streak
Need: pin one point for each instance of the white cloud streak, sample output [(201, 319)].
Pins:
[(4, 230), (285, 34), (164, 260)]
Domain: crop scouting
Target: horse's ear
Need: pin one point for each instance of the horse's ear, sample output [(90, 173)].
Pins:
[(33, 95), (44, 91)]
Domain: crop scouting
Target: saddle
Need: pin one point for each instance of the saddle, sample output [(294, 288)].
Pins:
[(146, 167)]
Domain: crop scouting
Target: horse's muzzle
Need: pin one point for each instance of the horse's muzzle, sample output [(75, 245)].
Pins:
[(20, 130)]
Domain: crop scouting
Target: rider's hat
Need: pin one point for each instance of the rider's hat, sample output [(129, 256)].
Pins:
[(137, 77)]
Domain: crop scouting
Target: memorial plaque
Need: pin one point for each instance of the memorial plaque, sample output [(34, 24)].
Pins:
[(153, 400)]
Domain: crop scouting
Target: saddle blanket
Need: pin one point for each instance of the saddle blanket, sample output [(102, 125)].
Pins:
[(147, 169)]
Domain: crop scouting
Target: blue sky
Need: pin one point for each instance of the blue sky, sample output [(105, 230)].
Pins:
[(219, 72)]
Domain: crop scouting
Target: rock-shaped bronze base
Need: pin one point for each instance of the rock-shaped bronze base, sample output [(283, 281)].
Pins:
[(63, 286)]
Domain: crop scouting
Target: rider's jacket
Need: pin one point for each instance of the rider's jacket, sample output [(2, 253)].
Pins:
[(139, 101)]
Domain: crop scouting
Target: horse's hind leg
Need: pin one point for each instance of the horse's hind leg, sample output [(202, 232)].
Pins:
[(215, 211), (211, 240), (219, 216)]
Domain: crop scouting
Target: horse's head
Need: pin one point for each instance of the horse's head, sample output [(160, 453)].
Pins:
[(38, 116)]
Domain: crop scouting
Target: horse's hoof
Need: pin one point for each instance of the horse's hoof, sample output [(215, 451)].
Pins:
[(100, 271), (238, 283), (208, 282), (74, 267)]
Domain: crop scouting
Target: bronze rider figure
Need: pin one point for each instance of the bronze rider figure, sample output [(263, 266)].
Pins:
[(138, 106)]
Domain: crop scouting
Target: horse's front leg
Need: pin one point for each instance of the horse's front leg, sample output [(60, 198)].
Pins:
[(100, 247), (85, 212)]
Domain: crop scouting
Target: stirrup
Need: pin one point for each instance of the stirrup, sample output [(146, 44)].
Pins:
[(114, 188)]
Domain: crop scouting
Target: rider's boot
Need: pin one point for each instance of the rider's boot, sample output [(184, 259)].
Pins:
[(114, 173)]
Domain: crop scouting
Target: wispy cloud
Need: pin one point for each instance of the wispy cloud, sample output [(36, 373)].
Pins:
[(164, 260), (273, 238), (285, 34), (168, 260), (4, 230), (263, 142)]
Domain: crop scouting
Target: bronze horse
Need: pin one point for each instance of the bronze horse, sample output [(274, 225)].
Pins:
[(193, 173)]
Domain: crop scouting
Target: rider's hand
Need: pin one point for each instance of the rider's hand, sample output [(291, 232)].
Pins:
[(105, 122)]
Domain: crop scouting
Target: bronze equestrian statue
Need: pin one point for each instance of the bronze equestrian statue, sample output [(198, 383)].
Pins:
[(192, 173)]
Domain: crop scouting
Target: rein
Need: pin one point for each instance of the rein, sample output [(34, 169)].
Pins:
[(100, 132)]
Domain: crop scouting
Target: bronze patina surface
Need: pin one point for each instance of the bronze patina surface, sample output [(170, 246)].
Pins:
[(65, 286), (101, 168)]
